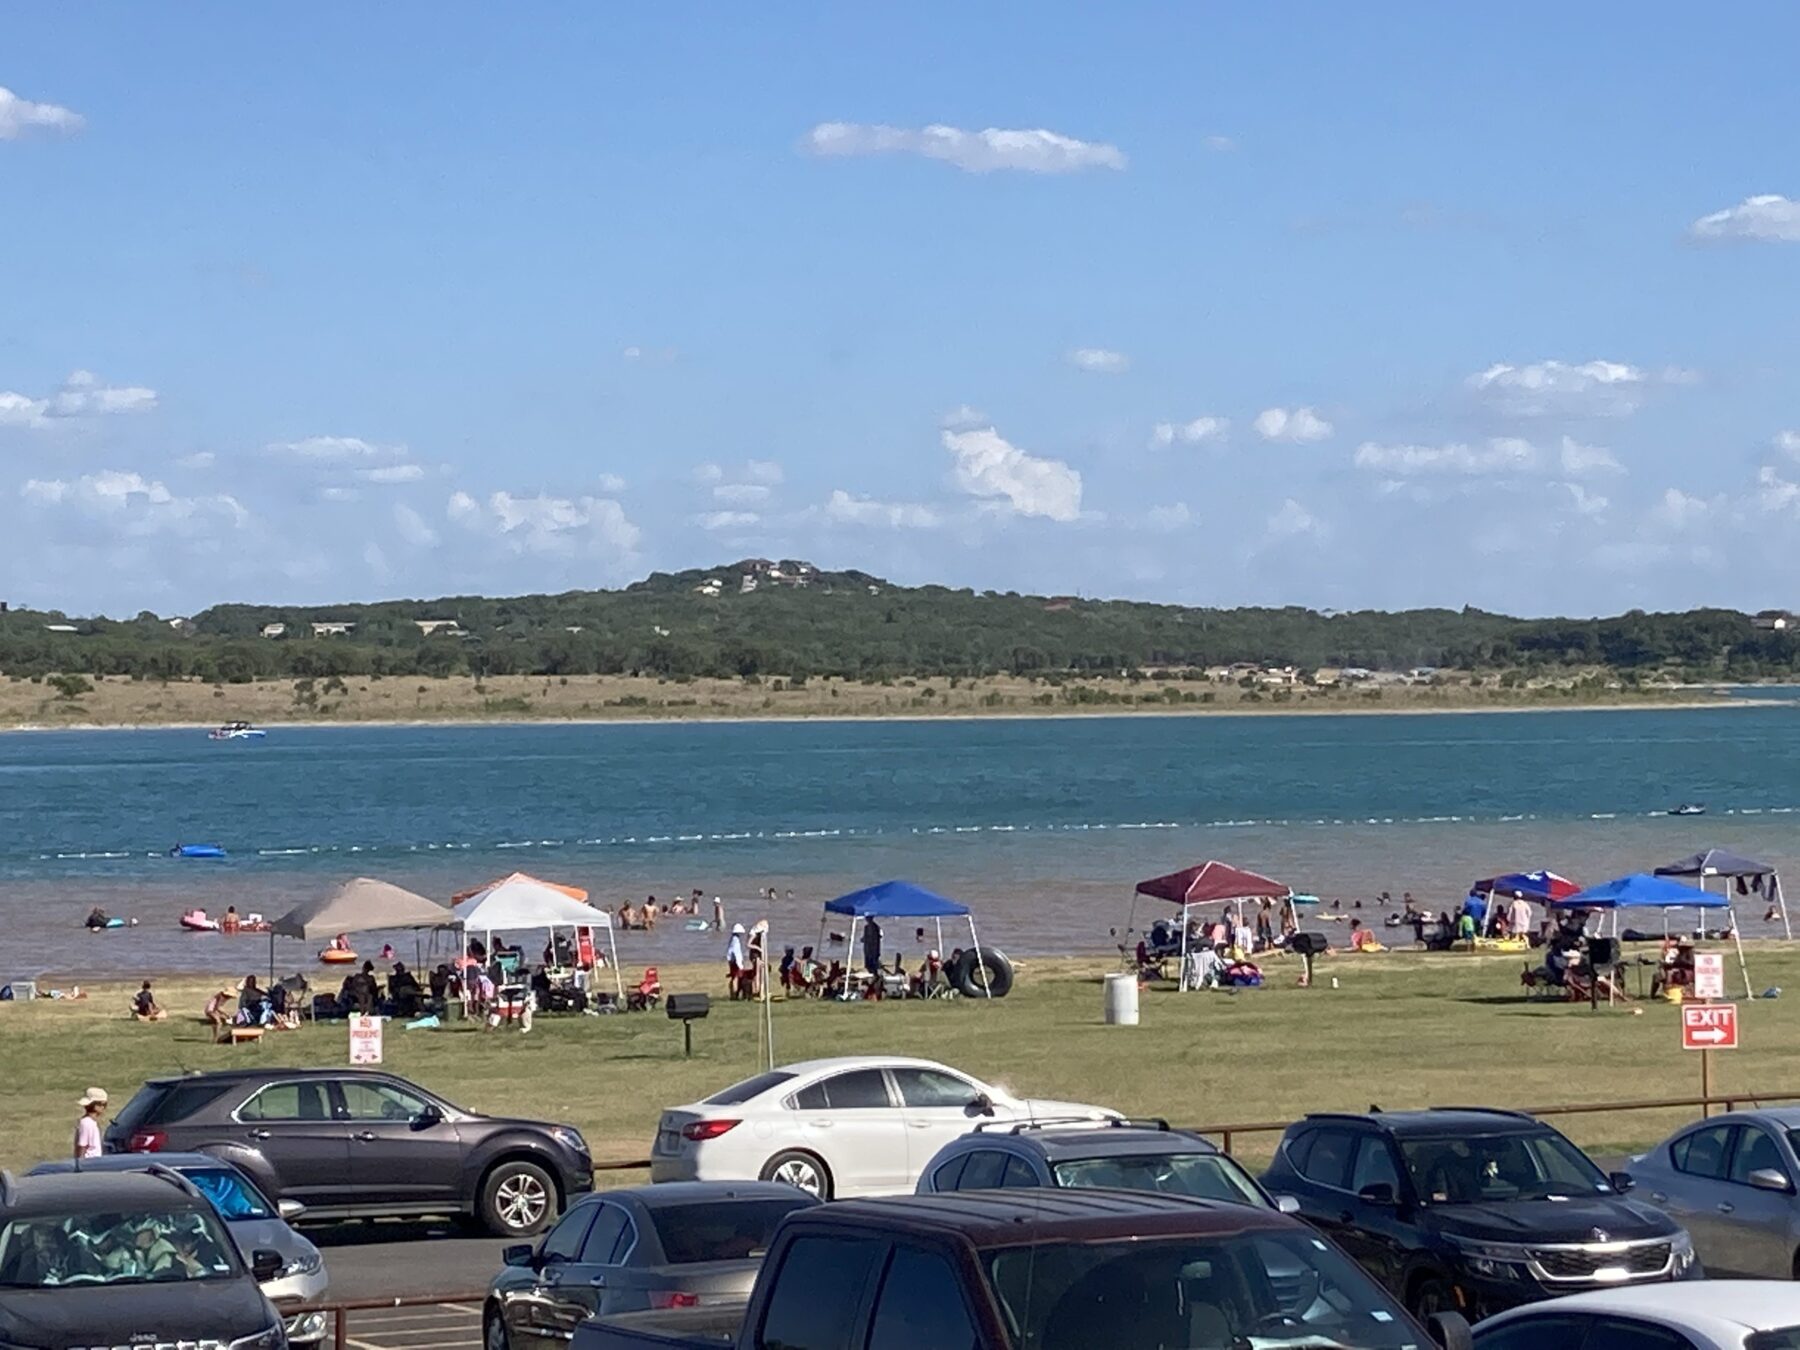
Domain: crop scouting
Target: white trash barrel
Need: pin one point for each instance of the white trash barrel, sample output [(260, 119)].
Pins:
[(1121, 1000)]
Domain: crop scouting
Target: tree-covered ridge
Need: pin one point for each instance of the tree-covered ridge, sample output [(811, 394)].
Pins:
[(798, 621)]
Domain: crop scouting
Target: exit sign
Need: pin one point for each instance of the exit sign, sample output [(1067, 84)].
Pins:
[(1709, 1026)]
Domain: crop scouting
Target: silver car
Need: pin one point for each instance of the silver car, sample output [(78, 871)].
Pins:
[(1730, 1181), (254, 1221)]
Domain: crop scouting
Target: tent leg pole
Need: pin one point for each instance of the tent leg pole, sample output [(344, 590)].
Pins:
[(1738, 937), (1181, 984), (980, 965), (612, 940)]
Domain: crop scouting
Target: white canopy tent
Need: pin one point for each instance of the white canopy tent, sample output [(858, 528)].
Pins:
[(523, 903)]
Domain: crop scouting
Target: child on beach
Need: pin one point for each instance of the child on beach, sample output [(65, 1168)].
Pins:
[(144, 1006)]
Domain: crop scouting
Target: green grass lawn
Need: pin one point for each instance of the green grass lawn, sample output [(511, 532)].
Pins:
[(1402, 1030)]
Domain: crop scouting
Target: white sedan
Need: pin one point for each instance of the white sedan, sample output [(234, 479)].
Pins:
[(837, 1127), (1685, 1315)]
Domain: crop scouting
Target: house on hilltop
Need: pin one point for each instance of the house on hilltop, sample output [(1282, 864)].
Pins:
[(332, 629), (1774, 620), (273, 630)]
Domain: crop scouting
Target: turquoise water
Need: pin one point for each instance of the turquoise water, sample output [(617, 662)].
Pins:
[(1043, 825)]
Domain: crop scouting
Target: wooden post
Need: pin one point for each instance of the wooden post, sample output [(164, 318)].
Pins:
[(1706, 1083)]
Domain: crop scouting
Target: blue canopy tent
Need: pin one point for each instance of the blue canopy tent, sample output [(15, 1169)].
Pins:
[(1728, 867), (904, 900), (1643, 891)]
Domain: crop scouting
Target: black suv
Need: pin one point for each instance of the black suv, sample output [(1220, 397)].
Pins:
[(349, 1143), (126, 1258), (1473, 1210)]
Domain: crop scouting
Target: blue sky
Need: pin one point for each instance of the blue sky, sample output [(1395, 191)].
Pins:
[(1315, 304)]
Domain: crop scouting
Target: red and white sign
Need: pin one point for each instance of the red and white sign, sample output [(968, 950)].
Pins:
[(1709, 1026), (365, 1040), (1709, 975)]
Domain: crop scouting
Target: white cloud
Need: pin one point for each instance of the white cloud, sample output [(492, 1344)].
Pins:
[(1788, 442), (1775, 493), (546, 525), (81, 395), (200, 459), (20, 115), (740, 494), (1294, 521), (708, 473), (1678, 510), (845, 509), (726, 520), (376, 560), (412, 528), (1037, 151), (765, 471), (1501, 454), (1545, 388), (393, 473), (1170, 517), (1099, 361), (1584, 461), (1769, 219), (988, 466), (1195, 432), (1300, 425), (1220, 144), (659, 355), (128, 503), (610, 483), (1586, 503), (962, 417), (339, 494), (336, 449)]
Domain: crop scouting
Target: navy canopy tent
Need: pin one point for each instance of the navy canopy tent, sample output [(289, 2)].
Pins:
[(1642, 891), (904, 900), (1747, 872)]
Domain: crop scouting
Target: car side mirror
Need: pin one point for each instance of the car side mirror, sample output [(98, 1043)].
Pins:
[(1623, 1181), (265, 1265), (1378, 1193), (290, 1210), (1769, 1179), (1451, 1331), (1287, 1204), (428, 1116), (520, 1254), (983, 1105)]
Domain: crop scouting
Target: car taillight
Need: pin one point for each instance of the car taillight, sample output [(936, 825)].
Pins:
[(668, 1298), (147, 1141), (699, 1131)]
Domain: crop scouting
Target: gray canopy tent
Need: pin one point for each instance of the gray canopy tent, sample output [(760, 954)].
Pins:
[(1747, 872), (362, 905)]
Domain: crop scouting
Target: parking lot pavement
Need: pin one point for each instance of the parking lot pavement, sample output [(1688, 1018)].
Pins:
[(442, 1326), (404, 1259)]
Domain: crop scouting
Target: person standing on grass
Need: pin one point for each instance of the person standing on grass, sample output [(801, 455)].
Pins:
[(87, 1129), (871, 945), (1518, 921)]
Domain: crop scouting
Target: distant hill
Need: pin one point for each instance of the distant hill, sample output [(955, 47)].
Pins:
[(786, 617)]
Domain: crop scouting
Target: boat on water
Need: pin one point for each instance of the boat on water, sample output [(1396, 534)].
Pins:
[(1688, 809), (236, 731), (197, 921), (196, 851)]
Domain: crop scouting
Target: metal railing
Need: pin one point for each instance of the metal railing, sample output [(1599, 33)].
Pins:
[(339, 1312)]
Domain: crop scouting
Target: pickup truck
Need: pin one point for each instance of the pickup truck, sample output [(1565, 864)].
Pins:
[(1043, 1269)]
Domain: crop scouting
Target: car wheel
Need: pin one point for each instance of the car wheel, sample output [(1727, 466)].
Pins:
[(1431, 1295), (493, 1331), (799, 1169), (517, 1199)]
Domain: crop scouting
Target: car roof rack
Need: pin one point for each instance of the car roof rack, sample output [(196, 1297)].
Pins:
[(174, 1178), (1054, 1122), (1489, 1111), (8, 1186)]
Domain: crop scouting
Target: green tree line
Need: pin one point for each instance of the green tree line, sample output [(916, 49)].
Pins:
[(854, 625)]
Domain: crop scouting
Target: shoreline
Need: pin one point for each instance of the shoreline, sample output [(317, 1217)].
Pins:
[(1099, 713)]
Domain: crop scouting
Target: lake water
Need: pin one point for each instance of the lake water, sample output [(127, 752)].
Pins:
[(1042, 825)]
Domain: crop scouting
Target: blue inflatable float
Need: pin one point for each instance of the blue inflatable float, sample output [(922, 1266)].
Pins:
[(196, 851)]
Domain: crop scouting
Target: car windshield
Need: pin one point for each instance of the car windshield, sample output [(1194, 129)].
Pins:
[(735, 1231), (1482, 1168), (1245, 1290), (48, 1251), (739, 1093), (1209, 1175), (231, 1193)]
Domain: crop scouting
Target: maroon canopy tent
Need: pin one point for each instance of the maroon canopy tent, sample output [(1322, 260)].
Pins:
[(1207, 883), (1212, 880)]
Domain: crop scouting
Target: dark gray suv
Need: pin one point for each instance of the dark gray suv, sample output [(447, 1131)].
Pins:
[(350, 1143), (126, 1258)]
